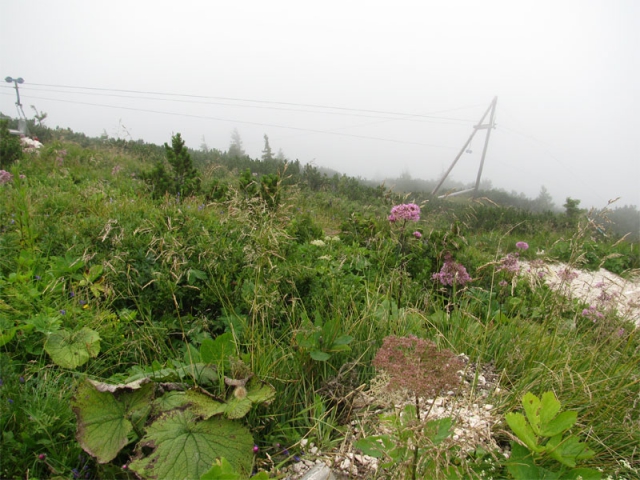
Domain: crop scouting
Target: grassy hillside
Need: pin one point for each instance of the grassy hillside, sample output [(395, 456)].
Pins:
[(228, 311)]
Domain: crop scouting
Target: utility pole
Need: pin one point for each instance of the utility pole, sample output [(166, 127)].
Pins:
[(481, 126), (22, 121)]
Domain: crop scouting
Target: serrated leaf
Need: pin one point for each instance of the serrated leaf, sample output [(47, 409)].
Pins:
[(170, 400), (320, 356), (582, 473), (185, 448), (438, 430), (104, 420), (237, 407), (376, 446), (520, 464), (521, 428), (259, 391), (560, 424), (549, 408), (567, 451), (203, 405), (222, 470), (72, 349), (531, 405)]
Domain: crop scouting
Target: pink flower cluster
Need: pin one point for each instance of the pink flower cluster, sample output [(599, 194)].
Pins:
[(592, 313), (452, 273), (5, 177), (405, 211), (522, 246)]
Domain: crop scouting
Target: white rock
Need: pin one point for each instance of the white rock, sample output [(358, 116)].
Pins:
[(346, 463)]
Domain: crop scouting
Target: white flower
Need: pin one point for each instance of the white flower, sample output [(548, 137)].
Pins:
[(318, 243)]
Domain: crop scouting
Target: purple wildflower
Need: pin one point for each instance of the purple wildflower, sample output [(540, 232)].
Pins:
[(592, 313), (567, 275), (452, 273), (42, 456), (38, 277), (72, 294), (256, 449), (5, 177), (503, 283), (417, 234), (63, 312), (82, 302), (522, 246), (509, 263), (405, 211)]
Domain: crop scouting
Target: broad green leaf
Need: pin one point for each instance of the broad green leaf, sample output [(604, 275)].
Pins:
[(559, 424), (184, 448), (549, 408), (438, 430), (520, 465), (260, 392), (568, 451), (94, 272), (7, 335), (376, 446), (169, 401), (320, 356), (217, 351), (582, 473), (104, 420), (203, 405), (193, 275), (339, 348), (343, 340), (521, 428), (531, 405), (221, 470), (72, 349), (237, 407)]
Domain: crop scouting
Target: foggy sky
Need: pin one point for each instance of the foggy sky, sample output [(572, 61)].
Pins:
[(409, 80)]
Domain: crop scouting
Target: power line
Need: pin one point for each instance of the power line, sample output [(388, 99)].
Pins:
[(346, 109), (205, 117)]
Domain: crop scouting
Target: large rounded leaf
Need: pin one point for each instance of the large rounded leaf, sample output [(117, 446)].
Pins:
[(72, 349), (185, 448), (105, 420)]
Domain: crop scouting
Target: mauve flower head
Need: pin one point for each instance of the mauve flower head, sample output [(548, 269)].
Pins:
[(417, 234), (522, 246), (452, 273), (509, 263), (5, 177), (405, 211), (592, 313)]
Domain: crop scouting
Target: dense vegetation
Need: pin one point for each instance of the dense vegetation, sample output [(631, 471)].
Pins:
[(217, 277)]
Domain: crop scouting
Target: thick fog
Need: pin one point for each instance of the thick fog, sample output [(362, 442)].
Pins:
[(371, 89)]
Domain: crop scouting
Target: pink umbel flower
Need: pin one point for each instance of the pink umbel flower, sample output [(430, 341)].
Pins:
[(5, 177), (417, 234), (452, 273), (522, 246), (405, 211), (509, 264), (592, 313)]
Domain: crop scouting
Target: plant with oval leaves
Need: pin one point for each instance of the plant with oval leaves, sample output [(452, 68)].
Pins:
[(543, 431)]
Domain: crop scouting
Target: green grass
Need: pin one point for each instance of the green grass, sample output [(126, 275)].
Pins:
[(174, 274)]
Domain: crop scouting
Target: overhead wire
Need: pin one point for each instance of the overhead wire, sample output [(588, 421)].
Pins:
[(307, 105), (206, 117)]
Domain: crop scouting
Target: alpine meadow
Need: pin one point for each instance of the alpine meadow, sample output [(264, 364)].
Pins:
[(169, 312)]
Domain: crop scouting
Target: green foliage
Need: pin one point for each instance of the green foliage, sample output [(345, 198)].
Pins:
[(10, 146), (177, 426), (183, 180), (412, 446), (543, 432)]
